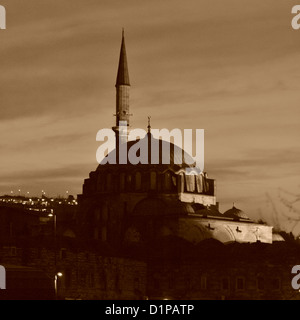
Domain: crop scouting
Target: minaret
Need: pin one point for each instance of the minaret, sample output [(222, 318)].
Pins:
[(122, 93)]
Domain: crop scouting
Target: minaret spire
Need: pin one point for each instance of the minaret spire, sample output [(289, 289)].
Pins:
[(122, 98), (123, 74), (122, 88)]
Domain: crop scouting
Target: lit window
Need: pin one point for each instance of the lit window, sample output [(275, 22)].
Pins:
[(199, 183), (190, 183)]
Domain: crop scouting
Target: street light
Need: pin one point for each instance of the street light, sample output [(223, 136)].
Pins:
[(54, 220), (57, 275), (55, 236)]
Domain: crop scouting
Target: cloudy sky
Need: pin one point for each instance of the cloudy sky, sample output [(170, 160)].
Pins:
[(229, 67)]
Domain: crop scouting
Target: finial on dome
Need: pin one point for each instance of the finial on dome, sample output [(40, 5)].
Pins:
[(149, 124)]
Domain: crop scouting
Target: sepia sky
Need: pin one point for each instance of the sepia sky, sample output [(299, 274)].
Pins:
[(230, 67)]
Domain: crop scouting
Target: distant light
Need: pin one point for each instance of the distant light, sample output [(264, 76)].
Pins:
[(59, 274), (50, 215)]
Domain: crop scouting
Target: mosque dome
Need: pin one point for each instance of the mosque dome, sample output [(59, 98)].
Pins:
[(167, 155), (236, 214)]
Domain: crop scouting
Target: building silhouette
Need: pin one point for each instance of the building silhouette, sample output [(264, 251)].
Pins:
[(137, 203), (144, 231)]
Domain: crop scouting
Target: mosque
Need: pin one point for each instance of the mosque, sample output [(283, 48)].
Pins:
[(126, 204)]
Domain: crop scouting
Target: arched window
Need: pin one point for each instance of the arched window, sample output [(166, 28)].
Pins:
[(167, 181), (138, 181), (190, 183), (199, 182), (128, 182), (153, 180), (180, 183), (122, 181)]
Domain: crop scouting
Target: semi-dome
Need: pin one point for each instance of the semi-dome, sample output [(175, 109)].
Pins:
[(166, 154), (236, 213), (276, 237), (209, 212)]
